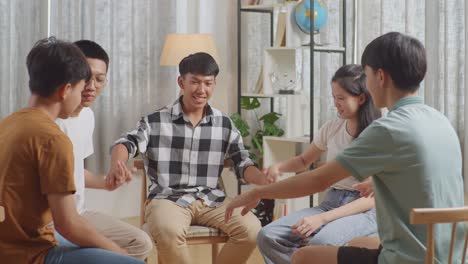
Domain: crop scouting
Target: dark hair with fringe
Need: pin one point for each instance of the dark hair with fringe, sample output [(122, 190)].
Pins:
[(199, 63), (52, 63), (93, 50)]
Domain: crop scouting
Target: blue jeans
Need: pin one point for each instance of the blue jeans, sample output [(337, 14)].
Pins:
[(68, 253), (277, 242)]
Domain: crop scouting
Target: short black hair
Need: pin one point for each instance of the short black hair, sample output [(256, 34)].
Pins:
[(402, 57), (199, 63), (52, 63), (93, 50)]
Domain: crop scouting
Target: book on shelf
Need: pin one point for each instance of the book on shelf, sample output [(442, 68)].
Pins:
[(280, 37), (259, 83)]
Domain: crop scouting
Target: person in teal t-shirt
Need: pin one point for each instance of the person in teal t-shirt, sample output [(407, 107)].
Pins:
[(413, 155)]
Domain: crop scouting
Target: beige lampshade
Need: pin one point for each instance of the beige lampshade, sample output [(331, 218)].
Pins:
[(178, 46)]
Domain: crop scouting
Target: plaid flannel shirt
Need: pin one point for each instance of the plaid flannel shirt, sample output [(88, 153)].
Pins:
[(184, 163)]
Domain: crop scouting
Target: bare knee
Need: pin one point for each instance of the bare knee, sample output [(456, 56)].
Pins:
[(300, 256), (318, 254), (365, 242)]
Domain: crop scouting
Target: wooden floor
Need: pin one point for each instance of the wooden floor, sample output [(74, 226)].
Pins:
[(200, 253)]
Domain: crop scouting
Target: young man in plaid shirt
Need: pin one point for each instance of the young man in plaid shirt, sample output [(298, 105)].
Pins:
[(184, 146)]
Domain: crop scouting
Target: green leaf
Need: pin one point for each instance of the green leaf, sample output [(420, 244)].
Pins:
[(250, 103), (266, 122), (258, 144), (241, 125), (270, 118), (272, 130)]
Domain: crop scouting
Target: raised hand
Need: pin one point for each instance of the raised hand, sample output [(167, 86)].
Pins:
[(308, 225)]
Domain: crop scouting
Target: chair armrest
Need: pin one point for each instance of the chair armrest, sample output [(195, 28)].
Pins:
[(438, 215)]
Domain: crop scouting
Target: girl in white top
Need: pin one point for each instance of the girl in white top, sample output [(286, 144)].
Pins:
[(344, 214)]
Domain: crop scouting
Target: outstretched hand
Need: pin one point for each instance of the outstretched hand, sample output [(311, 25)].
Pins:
[(248, 200), (365, 188)]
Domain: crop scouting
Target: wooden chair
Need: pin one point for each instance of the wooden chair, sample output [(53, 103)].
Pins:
[(2, 214), (196, 235), (431, 216)]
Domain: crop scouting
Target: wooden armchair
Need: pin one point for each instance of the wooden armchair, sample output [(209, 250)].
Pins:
[(431, 216), (196, 234)]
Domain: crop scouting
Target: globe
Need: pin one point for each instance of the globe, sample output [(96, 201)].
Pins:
[(302, 15)]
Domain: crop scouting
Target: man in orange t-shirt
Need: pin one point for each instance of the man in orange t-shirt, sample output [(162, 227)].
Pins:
[(36, 172)]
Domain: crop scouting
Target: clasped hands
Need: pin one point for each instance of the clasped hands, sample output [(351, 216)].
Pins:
[(118, 175)]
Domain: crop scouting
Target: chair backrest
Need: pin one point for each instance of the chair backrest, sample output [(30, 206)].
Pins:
[(2, 214), (140, 166), (431, 216)]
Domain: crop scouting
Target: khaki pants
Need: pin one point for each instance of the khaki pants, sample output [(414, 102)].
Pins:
[(169, 223), (137, 243)]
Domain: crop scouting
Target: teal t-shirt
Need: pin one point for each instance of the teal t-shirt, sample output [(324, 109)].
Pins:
[(414, 156)]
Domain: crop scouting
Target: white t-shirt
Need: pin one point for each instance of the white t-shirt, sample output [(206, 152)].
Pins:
[(333, 138), (80, 131)]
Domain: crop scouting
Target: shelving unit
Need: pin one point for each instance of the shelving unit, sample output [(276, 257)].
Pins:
[(283, 148), (277, 149)]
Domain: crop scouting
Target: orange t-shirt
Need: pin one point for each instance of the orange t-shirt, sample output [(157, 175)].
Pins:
[(36, 159)]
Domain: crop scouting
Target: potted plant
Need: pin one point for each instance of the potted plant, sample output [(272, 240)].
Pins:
[(266, 123)]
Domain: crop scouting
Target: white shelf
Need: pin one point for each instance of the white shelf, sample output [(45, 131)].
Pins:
[(278, 149), (282, 67), (328, 48), (257, 8)]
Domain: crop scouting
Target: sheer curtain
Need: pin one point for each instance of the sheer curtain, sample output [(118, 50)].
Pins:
[(22, 23), (218, 18), (465, 110), (441, 27), (132, 33)]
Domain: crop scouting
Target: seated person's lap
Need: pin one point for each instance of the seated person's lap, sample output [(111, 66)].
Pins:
[(160, 213)]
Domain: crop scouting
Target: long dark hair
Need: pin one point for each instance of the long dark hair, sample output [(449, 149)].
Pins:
[(352, 79)]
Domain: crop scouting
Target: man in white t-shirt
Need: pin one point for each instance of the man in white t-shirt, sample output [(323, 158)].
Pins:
[(79, 127)]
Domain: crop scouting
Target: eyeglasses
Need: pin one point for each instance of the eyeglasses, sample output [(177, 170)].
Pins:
[(99, 80)]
